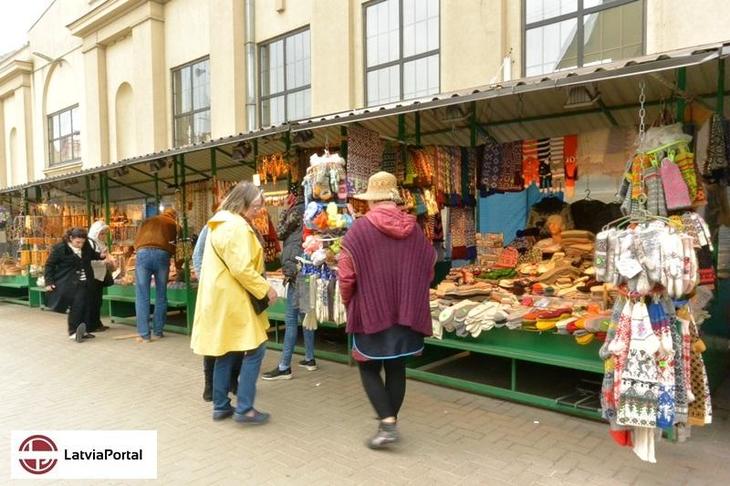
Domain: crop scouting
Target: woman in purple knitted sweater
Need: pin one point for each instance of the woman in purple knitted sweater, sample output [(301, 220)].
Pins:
[(385, 270)]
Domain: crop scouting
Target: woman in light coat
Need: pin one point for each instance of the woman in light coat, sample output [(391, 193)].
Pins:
[(226, 323)]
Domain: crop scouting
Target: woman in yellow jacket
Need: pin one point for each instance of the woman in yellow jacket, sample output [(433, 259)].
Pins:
[(226, 323)]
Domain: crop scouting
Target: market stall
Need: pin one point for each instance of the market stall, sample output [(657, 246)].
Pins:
[(514, 185)]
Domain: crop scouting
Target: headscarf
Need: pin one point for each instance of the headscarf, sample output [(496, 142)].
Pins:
[(97, 228)]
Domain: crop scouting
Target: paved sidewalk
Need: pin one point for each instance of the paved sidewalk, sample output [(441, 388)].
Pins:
[(319, 423)]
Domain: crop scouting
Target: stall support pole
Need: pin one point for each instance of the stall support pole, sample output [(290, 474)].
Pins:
[(186, 258), (681, 85), (157, 193), (720, 106), (513, 375), (89, 216), (402, 137), (473, 138), (418, 128), (107, 208), (343, 143), (213, 162), (719, 109)]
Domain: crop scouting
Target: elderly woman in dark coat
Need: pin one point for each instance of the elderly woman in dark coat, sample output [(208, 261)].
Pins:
[(68, 276)]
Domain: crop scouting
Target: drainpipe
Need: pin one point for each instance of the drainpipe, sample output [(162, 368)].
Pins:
[(250, 48)]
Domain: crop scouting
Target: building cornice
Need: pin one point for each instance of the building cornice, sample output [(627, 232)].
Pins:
[(108, 12), (14, 75)]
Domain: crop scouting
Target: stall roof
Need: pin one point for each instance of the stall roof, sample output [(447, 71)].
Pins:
[(524, 108)]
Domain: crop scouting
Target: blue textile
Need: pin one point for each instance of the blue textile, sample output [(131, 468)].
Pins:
[(198, 251), (507, 212)]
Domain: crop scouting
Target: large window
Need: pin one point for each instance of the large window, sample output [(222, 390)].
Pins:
[(64, 140), (401, 50), (285, 79), (565, 34), (191, 103)]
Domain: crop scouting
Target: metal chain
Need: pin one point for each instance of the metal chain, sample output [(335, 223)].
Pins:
[(642, 110)]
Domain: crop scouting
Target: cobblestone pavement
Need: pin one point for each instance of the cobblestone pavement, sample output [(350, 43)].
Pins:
[(320, 420)]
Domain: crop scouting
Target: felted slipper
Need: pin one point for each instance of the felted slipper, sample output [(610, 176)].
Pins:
[(585, 339)]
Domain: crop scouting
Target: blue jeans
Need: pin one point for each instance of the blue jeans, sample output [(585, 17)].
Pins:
[(292, 320), (246, 379), (151, 261)]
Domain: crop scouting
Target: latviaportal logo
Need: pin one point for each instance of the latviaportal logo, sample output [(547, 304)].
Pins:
[(38, 454)]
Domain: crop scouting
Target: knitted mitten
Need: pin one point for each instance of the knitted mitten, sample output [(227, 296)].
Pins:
[(650, 252), (675, 189), (686, 162), (655, 192), (689, 264), (601, 255), (642, 334), (672, 263), (612, 274)]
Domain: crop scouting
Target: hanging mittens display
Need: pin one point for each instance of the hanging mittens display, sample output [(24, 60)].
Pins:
[(675, 189)]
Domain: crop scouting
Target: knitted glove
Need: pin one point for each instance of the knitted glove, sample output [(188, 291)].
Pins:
[(689, 264)]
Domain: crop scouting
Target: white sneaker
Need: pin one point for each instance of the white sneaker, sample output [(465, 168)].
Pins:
[(72, 337)]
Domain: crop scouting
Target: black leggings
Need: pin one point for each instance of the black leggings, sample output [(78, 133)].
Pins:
[(387, 397), (209, 365)]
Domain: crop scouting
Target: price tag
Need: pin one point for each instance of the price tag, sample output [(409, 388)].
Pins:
[(628, 267)]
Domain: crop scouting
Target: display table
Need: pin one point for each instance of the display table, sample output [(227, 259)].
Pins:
[(519, 354), (14, 288), (120, 300)]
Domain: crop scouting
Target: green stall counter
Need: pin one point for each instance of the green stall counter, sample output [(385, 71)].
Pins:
[(15, 289), (120, 306)]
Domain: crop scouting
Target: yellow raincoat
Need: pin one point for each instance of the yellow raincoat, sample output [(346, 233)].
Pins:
[(224, 317)]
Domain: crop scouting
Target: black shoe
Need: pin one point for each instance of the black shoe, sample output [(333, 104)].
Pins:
[(277, 374), (100, 328), (80, 332), (259, 418), (89, 336), (310, 365), (208, 393), (219, 415)]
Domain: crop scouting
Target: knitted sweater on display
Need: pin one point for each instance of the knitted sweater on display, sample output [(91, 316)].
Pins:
[(393, 263)]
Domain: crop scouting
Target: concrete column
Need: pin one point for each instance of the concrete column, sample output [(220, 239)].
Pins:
[(150, 82), (95, 130), (332, 70), (227, 68), (23, 172)]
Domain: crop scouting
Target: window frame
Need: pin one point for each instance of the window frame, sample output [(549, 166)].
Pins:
[(74, 132), (262, 97), (400, 61), (579, 13), (193, 111)]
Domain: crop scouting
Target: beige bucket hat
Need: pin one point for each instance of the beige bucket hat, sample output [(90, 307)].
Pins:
[(382, 186)]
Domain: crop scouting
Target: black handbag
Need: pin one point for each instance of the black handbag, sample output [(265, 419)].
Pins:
[(259, 305)]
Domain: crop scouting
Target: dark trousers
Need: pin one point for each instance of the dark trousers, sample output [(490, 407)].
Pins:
[(79, 306), (96, 290), (386, 397), (209, 366)]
